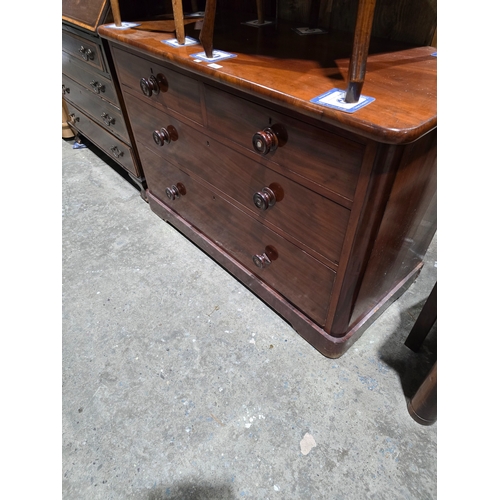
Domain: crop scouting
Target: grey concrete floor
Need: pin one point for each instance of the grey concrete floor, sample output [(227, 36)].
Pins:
[(179, 383)]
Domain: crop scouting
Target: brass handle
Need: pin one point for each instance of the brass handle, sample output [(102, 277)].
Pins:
[(265, 259), (65, 90), (165, 135), (108, 120), (149, 86), (264, 199), (86, 53), (97, 87), (116, 152), (268, 140), (175, 191)]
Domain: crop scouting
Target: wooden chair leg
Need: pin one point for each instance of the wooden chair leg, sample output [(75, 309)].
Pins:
[(115, 9), (260, 11), (207, 31), (179, 21), (357, 64)]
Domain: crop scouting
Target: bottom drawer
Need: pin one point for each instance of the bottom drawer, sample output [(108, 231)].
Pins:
[(111, 145), (303, 280)]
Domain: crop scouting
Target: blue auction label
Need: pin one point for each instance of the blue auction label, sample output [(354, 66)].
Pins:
[(218, 55), (335, 99), (174, 43)]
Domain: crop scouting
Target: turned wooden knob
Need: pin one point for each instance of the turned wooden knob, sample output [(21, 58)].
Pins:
[(268, 140), (172, 193), (265, 141), (261, 261), (165, 135), (264, 259), (150, 86), (175, 191), (264, 199)]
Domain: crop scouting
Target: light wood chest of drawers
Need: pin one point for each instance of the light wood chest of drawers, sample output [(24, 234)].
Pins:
[(325, 217)]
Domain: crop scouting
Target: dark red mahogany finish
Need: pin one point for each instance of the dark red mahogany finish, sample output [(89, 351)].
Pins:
[(325, 215)]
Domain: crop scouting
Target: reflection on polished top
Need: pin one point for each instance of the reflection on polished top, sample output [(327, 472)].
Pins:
[(280, 66)]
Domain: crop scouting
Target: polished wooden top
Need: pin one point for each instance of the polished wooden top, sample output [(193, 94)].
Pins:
[(282, 67)]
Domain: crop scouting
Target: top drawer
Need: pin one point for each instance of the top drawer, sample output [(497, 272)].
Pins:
[(159, 84), (84, 50), (90, 79), (325, 158)]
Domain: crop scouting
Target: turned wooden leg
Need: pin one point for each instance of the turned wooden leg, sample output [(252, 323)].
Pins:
[(260, 11), (357, 64), (423, 405), (424, 323), (179, 21), (207, 31), (115, 9)]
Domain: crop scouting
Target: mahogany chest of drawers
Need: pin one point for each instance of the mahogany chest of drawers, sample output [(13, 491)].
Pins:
[(325, 215), (91, 96)]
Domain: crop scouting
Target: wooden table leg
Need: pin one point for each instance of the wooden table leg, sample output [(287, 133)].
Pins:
[(423, 405), (179, 21), (207, 31), (357, 64), (424, 323)]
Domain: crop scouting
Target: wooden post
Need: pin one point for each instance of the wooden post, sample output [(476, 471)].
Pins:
[(314, 14), (260, 11), (207, 31), (423, 405), (179, 21), (357, 64), (115, 9)]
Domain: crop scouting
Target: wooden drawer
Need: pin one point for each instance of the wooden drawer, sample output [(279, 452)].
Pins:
[(325, 158), (311, 219), (108, 116), (303, 280), (177, 92), (90, 79), (110, 144), (86, 51)]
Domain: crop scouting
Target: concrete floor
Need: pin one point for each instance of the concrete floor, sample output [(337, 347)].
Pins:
[(179, 383)]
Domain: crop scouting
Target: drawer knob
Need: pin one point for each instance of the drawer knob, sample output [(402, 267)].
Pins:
[(268, 140), (65, 90), (116, 152), (261, 261), (175, 191), (108, 120), (165, 135), (97, 87), (264, 259), (150, 86), (264, 199), (73, 118), (86, 53)]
